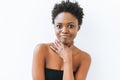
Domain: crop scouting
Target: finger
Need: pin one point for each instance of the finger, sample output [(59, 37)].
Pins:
[(60, 43), (56, 45), (53, 48)]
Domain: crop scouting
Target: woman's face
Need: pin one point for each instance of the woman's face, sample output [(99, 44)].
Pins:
[(66, 27)]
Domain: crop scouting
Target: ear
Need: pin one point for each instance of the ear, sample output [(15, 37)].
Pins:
[(78, 27)]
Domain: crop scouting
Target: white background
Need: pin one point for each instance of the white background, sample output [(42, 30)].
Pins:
[(25, 23)]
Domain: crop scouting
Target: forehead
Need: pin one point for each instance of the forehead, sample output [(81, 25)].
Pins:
[(65, 17)]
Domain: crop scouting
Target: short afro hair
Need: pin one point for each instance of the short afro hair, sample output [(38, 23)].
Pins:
[(67, 6)]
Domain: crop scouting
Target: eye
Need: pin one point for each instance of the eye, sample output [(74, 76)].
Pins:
[(58, 26), (70, 26)]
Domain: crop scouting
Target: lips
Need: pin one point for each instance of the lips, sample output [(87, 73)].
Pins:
[(65, 36)]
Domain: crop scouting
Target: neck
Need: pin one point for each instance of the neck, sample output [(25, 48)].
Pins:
[(69, 44)]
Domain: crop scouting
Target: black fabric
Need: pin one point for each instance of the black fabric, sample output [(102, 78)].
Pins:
[(52, 74)]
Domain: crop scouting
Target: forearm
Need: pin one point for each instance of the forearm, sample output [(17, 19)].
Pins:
[(68, 71)]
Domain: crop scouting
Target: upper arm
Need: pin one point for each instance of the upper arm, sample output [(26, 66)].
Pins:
[(83, 68), (38, 62)]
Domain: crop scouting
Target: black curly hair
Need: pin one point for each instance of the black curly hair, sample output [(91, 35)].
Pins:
[(67, 6)]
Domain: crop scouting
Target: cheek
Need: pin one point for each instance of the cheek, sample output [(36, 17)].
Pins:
[(57, 32), (74, 33)]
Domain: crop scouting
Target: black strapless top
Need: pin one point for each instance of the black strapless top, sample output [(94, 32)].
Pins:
[(52, 74)]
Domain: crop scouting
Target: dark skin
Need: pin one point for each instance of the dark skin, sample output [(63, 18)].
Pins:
[(62, 54)]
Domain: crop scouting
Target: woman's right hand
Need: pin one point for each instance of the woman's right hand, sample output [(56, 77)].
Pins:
[(64, 51)]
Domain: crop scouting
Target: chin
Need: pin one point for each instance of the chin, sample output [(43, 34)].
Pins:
[(65, 41)]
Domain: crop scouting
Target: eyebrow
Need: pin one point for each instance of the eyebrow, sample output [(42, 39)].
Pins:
[(71, 23)]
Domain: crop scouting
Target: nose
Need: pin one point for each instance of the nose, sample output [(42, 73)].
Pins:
[(65, 30)]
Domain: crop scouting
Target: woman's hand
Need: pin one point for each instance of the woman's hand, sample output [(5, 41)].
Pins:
[(64, 51)]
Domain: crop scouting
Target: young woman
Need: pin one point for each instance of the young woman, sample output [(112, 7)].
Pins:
[(61, 59)]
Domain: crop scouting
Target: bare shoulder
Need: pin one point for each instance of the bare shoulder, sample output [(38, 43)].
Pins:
[(41, 49), (84, 56), (40, 46)]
